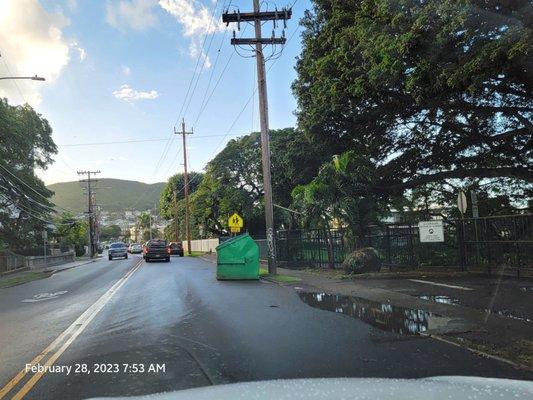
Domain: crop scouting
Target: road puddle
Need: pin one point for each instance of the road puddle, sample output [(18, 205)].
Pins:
[(387, 317), (441, 299)]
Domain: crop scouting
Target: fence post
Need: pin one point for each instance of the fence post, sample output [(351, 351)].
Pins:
[(461, 242), (387, 235)]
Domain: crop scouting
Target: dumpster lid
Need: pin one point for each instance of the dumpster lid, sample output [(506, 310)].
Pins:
[(232, 240)]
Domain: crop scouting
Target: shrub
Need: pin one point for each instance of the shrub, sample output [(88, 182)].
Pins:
[(361, 261)]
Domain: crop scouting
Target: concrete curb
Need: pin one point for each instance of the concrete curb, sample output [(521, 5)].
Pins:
[(55, 270), (478, 352), (207, 259)]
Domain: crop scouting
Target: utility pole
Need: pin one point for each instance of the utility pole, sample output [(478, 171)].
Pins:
[(175, 206), (257, 17), (90, 214), (186, 185)]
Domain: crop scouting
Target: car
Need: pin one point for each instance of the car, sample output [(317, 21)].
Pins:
[(156, 249), (117, 249), (176, 248), (135, 248)]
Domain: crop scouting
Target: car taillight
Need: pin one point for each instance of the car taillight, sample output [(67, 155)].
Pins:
[(145, 250), (168, 250)]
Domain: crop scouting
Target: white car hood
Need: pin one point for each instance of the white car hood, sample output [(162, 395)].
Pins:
[(436, 388)]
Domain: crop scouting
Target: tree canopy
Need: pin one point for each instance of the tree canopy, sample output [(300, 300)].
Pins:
[(27, 144), (425, 91), (233, 181)]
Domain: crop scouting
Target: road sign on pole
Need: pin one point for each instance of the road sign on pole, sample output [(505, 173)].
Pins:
[(235, 221), (461, 202)]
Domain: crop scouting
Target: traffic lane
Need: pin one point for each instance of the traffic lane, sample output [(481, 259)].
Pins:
[(202, 330), (145, 323), (28, 327), (177, 314), (264, 331)]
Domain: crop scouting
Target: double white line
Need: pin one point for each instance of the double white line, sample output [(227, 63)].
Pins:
[(64, 340)]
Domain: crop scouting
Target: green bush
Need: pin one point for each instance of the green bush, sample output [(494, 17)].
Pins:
[(361, 261)]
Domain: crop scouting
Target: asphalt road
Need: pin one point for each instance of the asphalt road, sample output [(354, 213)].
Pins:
[(170, 326)]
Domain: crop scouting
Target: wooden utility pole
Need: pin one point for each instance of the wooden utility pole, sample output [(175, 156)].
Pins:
[(175, 206), (90, 212), (186, 185), (257, 17)]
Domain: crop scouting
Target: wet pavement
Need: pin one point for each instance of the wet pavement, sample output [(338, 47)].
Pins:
[(508, 297), (385, 316), (177, 316)]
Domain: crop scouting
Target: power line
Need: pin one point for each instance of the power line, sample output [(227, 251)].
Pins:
[(14, 81), (205, 57), (128, 141), (204, 105), (245, 105), (32, 189)]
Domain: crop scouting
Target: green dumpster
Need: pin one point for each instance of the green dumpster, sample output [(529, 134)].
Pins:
[(238, 258)]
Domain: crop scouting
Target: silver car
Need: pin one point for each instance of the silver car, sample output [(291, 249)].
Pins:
[(118, 249)]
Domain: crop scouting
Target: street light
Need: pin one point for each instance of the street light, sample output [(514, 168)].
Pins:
[(32, 78)]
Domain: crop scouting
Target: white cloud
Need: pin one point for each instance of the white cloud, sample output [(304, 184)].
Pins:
[(126, 93), (126, 71), (133, 14), (81, 51), (31, 42), (195, 18)]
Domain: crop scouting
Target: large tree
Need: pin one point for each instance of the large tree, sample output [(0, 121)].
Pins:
[(234, 179), (425, 91), (26, 145)]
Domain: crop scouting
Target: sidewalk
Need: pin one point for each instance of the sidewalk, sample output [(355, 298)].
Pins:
[(450, 309), (26, 275)]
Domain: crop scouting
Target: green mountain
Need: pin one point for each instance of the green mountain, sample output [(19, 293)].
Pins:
[(112, 194)]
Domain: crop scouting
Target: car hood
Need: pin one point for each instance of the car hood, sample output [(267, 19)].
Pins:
[(442, 387)]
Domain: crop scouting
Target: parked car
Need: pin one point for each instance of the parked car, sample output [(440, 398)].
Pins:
[(176, 248), (156, 249), (135, 248), (117, 249)]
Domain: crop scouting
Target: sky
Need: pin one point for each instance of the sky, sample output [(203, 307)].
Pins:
[(120, 71)]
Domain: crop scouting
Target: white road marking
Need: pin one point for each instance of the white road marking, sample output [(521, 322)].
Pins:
[(441, 284), (44, 296)]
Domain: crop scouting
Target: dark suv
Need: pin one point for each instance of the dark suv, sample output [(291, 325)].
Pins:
[(176, 248), (156, 249)]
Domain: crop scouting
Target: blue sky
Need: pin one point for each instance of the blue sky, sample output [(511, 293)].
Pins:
[(124, 76)]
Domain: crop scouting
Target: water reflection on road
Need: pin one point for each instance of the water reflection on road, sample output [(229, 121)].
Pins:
[(384, 316)]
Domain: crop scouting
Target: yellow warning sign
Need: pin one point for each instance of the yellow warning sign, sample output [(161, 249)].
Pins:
[(235, 221), (235, 230)]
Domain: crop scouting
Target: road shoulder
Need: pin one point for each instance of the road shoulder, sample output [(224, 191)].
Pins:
[(493, 335)]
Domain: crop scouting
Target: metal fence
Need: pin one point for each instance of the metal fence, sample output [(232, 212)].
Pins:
[(10, 262), (503, 243), (498, 242), (307, 248)]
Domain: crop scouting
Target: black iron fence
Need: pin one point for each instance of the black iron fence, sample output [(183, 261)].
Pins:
[(308, 248), (490, 243), (498, 242)]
